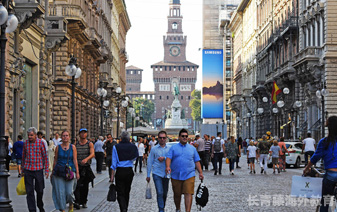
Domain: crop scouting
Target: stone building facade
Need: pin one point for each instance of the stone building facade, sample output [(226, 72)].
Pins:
[(133, 78), (174, 70), (38, 90)]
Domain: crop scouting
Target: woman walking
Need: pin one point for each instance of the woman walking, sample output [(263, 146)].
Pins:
[(232, 152), (282, 156), (51, 154), (63, 191), (123, 155), (141, 150)]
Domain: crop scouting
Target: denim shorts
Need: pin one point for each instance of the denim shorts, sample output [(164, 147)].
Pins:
[(18, 161), (331, 175)]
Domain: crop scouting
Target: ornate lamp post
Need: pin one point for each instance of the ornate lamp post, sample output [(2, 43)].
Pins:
[(322, 94), (9, 23), (102, 93), (74, 72)]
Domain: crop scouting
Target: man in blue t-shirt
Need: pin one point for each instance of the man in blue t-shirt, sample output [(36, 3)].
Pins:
[(17, 151), (183, 159)]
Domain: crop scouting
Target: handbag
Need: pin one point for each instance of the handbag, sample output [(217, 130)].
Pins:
[(283, 149), (64, 171), (148, 193), (227, 161), (201, 197), (112, 193), (21, 188)]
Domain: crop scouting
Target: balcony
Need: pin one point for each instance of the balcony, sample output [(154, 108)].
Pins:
[(310, 54), (56, 32), (27, 11), (235, 102)]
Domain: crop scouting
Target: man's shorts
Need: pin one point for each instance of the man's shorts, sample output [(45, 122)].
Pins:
[(18, 161), (274, 161), (183, 186), (251, 160)]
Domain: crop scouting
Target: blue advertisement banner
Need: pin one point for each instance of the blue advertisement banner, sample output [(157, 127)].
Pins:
[(212, 84)]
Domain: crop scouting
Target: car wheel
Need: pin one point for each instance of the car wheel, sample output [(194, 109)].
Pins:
[(298, 162)]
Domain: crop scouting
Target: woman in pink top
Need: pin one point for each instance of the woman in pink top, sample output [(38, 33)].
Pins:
[(282, 156)]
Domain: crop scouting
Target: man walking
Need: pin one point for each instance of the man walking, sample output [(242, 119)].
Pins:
[(108, 146), (34, 160), (208, 147), (57, 139), (218, 150), (152, 143), (183, 159), (156, 162), (263, 150), (309, 146), (85, 152), (200, 145), (99, 154), (17, 151)]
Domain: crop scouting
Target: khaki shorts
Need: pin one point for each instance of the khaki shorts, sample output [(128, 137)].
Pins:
[(183, 186), (274, 161)]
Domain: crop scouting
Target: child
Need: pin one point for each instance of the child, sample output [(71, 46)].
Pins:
[(251, 155), (275, 151)]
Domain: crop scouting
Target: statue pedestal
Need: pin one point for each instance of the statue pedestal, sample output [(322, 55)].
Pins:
[(175, 122)]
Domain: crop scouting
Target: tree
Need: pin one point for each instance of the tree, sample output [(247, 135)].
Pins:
[(195, 105), (143, 108)]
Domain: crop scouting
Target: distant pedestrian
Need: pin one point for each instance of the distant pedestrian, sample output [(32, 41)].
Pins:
[(232, 152), (17, 151), (309, 146), (51, 154), (212, 158), (156, 165), (239, 143), (108, 146), (57, 139), (63, 191), (263, 150), (153, 142), (208, 148), (275, 151), (85, 152), (40, 136), (200, 145), (141, 151), (182, 159), (245, 145), (251, 155), (282, 156), (146, 151), (99, 154), (9, 148), (34, 160), (218, 150), (123, 155)]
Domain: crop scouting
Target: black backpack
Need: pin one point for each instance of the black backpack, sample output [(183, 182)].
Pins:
[(217, 145), (201, 197)]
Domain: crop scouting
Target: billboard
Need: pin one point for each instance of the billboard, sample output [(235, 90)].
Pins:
[(212, 84)]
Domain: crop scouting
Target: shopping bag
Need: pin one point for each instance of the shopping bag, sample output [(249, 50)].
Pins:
[(227, 160), (112, 193), (148, 194), (21, 188), (310, 187)]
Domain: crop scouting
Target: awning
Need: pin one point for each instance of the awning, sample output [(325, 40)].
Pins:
[(143, 131)]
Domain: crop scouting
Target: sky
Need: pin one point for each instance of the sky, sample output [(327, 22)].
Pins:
[(144, 41)]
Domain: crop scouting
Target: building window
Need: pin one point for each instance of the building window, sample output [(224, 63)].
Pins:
[(167, 97), (318, 33), (159, 97), (189, 97), (53, 63), (182, 97)]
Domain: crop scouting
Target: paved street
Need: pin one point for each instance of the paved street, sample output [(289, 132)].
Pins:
[(227, 193)]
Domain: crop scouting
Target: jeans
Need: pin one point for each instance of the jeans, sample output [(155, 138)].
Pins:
[(140, 161), (245, 150), (82, 188), (265, 158), (124, 177), (34, 181), (231, 164), (218, 158), (328, 188), (306, 154), (161, 184), (99, 161)]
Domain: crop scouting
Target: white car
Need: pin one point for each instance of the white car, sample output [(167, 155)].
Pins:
[(295, 158), (169, 144)]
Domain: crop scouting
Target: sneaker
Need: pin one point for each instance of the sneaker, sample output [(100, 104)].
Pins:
[(232, 173), (274, 172), (77, 206), (254, 171), (84, 205), (238, 167), (278, 170), (262, 170), (216, 172), (219, 173), (265, 172), (251, 172), (140, 171)]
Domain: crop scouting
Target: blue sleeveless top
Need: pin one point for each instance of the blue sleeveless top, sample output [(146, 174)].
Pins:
[(62, 157)]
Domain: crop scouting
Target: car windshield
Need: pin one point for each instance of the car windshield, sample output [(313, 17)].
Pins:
[(288, 145)]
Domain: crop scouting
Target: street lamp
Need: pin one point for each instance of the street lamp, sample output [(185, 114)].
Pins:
[(321, 94), (9, 23), (74, 72), (102, 93)]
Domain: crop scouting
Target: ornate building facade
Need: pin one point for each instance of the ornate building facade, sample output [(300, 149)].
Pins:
[(174, 70), (38, 90)]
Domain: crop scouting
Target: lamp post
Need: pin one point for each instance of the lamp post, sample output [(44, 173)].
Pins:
[(102, 93), (322, 94), (9, 23), (74, 72)]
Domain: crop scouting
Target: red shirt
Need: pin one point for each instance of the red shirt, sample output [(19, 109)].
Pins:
[(34, 156)]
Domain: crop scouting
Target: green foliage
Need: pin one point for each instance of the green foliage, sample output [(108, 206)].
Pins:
[(143, 108), (195, 105)]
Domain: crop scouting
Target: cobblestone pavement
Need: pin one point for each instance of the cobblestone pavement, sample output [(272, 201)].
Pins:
[(227, 193)]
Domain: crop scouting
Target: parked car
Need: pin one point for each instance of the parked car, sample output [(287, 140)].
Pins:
[(295, 158)]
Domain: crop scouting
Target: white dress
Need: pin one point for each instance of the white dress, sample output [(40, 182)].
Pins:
[(51, 155)]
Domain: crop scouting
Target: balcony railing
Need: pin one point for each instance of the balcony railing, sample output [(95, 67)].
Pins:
[(74, 12), (311, 52)]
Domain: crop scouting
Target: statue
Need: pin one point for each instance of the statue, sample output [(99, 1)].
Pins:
[(168, 114), (182, 116), (176, 91)]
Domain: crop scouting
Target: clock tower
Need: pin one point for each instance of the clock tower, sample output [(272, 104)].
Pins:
[(173, 71), (174, 41)]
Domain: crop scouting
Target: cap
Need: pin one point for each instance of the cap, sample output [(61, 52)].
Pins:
[(83, 129)]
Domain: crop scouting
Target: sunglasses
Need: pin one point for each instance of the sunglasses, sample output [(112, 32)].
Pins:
[(184, 136), (162, 137)]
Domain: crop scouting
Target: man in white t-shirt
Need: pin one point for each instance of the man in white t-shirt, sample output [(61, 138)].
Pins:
[(218, 149), (309, 146), (57, 139), (152, 143)]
